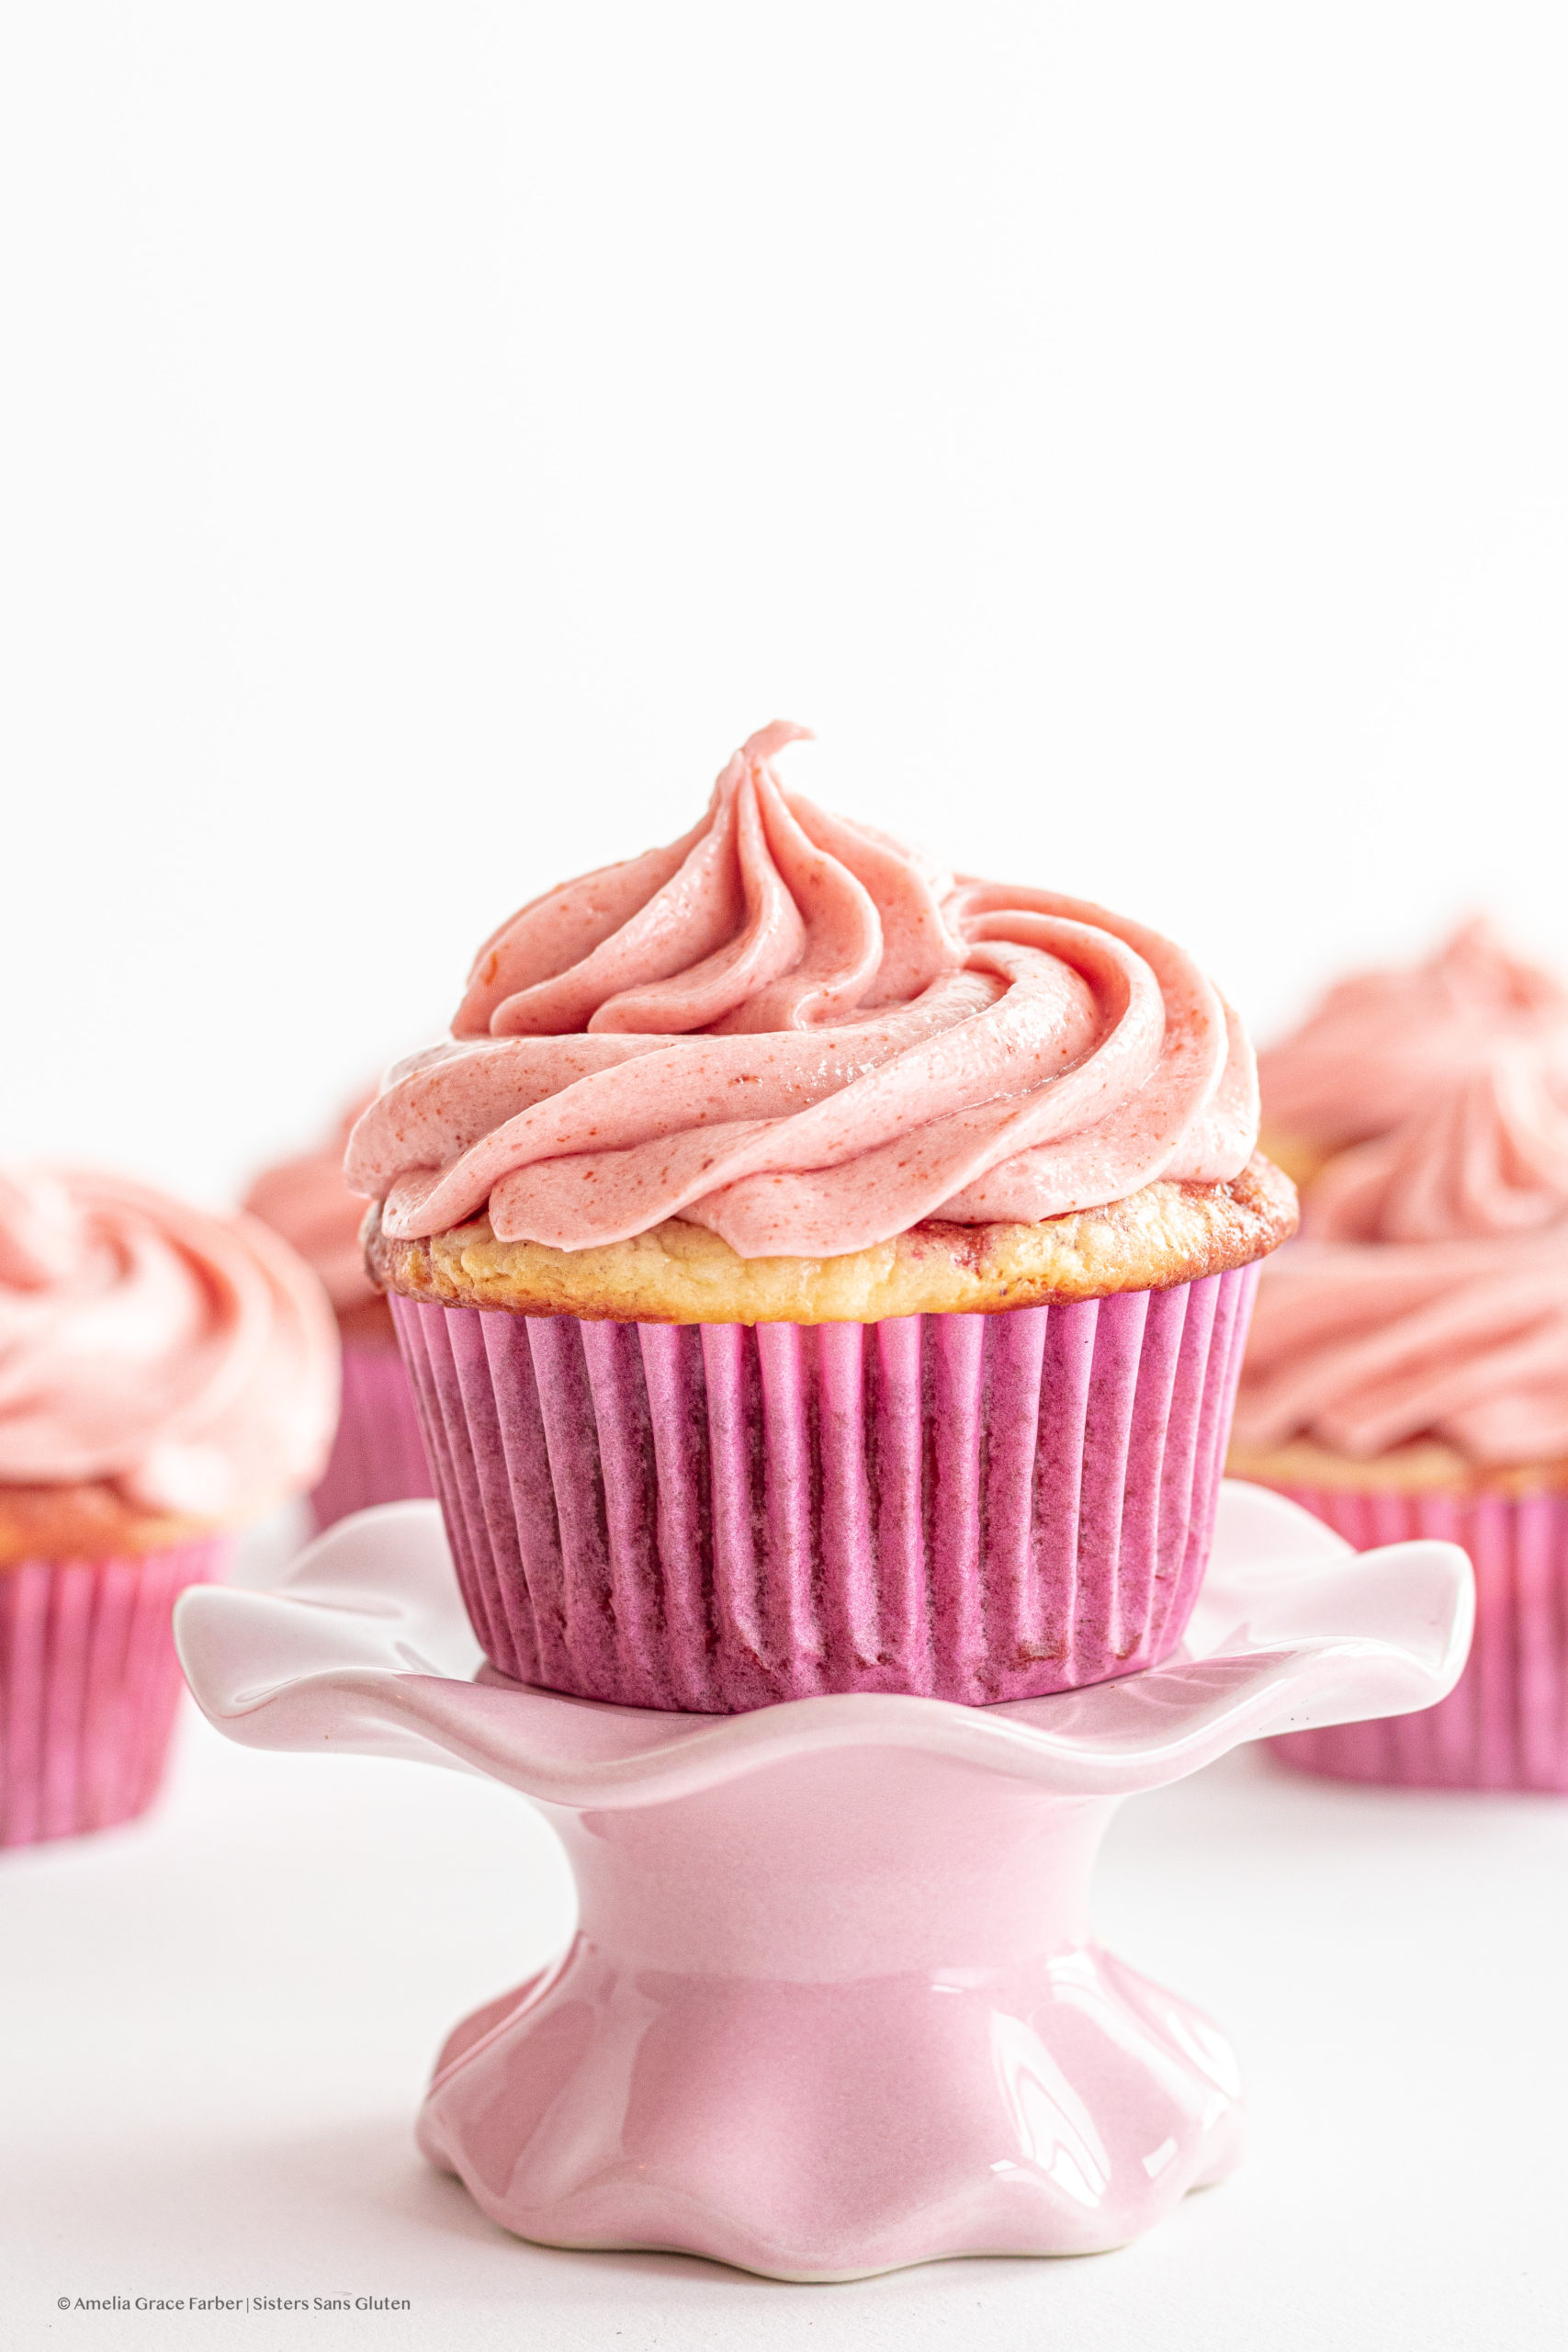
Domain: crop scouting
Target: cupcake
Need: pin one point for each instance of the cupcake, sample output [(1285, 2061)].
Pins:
[(164, 1376), (1379, 1042), (377, 1455), (1407, 1374), (821, 1274)]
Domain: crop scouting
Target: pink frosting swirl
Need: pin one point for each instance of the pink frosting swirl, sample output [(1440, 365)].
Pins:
[(1364, 1346), (1379, 1042), (1485, 1153), (1430, 1297), (189, 1361), (794, 1030), (306, 1200)]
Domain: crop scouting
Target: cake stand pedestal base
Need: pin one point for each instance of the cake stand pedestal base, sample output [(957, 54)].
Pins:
[(837, 2014), (833, 2004)]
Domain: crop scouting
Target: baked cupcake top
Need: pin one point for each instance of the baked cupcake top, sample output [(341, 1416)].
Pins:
[(799, 1037), (306, 1200), (163, 1372), (1421, 1323)]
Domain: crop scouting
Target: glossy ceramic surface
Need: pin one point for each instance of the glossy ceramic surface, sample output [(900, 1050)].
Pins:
[(834, 2004)]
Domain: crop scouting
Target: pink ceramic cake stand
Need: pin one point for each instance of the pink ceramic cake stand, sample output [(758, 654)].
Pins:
[(833, 2004)]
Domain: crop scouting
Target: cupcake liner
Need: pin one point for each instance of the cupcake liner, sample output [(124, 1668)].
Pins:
[(89, 1687), (377, 1455), (714, 1517), (1504, 1724)]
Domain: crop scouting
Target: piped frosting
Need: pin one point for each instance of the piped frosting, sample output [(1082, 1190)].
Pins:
[(803, 1035), (1429, 1294), (1486, 1154), (306, 1200), (189, 1362), (1365, 1347), (1380, 1043)]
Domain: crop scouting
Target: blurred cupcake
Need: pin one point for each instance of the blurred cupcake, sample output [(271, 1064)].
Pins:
[(1370, 1054), (820, 1275), (377, 1455), (164, 1376), (1407, 1374)]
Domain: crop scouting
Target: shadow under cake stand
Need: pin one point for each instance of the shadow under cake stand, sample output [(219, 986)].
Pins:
[(833, 2004)]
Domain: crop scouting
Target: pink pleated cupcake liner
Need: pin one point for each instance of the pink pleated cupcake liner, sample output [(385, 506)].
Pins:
[(717, 1517), (379, 1453), (89, 1683), (1504, 1724)]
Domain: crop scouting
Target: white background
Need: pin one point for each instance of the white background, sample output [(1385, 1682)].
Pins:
[(1131, 435)]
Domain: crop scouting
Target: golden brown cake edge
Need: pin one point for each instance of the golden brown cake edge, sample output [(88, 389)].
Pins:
[(1163, 1234), (1424, 1466), (1301, 1158), (90, 1520)]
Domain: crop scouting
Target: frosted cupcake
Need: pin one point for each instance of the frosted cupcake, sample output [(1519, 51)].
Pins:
[(819, 1274), (1372, 1050), (377, 1455), (164, 1376), (1408, 1369)]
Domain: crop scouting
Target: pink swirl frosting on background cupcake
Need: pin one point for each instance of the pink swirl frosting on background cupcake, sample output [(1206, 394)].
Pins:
[(794, 1030), (1379, 1042), (307, 1200), (187, 1360), (1430, 1297), (1484, 1153)]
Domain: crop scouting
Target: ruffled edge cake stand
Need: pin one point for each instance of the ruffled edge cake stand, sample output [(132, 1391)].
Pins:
[(833, 2004)]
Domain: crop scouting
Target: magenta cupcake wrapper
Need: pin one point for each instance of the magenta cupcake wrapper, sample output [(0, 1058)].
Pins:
[(377, 1455), (89, 1687), (714, 1517), (1504, 1724)]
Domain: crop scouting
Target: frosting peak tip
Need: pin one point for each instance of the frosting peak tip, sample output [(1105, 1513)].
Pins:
[(776, 737)]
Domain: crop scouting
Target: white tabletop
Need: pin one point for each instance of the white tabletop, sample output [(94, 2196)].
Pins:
[(214, 2027)]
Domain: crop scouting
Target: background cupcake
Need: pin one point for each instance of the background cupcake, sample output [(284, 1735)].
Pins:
[(377, 1454), (164, 1376), (1408, 1367), (699, 1235), (1379, 1042)]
